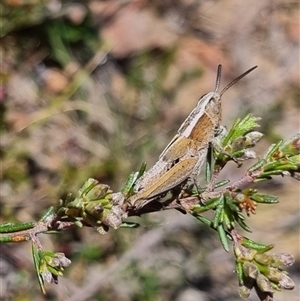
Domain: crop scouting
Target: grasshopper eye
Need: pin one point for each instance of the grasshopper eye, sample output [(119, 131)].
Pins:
[(215, 103), (203, 98)]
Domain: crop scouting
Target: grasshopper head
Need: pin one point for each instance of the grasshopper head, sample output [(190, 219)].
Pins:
[(207, 113), (212, 100)]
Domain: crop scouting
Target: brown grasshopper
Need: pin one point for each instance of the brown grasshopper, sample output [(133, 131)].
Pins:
[(185, 154)]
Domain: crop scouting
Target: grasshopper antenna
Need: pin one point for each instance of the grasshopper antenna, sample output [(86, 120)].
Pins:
[(235, 80), (218, 80)]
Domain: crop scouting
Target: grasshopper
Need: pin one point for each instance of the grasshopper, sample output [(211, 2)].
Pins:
[(184, 155)]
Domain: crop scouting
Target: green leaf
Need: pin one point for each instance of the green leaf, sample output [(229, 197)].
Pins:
[(203, 219), (261, 248), (268, 174), (127, 189), (54, 271), (279, 165), (210, 204), (228, 222), (223, 237), (258, 180), (142, 169), (37, 263), (271, 150), (240, 128), (239, 271), (49, 213), (232, 204), (240, 220), (238, 153), (218, 218), (209, 164), (11, 227), (6, 238), (129, 183), (228, 214), (264, 198), (257, 165), (4, 227), (221, 183)]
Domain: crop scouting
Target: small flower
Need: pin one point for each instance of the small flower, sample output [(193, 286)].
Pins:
[(247, 141), (292, 146), (52, 265), (264, 284), (240, 197), (261, 271), (252, 138), (274, 274), (250, 270), (248, 154), (281, 260), (264, 259), (99, 191), (47, 276), (244, 291), (94, 208), (244, 254), (246, 203), (286, 282)]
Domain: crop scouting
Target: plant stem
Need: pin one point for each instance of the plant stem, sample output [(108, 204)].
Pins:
[(24, 235)]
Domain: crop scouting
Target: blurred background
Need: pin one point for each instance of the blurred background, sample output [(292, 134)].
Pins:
[(93, 89)]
